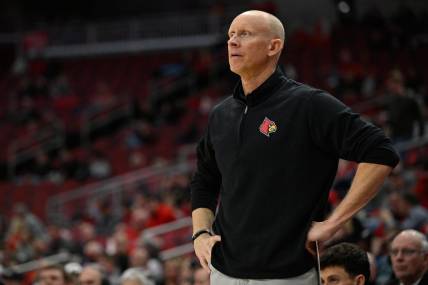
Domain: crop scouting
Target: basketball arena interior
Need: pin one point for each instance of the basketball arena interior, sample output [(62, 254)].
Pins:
[(102, 104)]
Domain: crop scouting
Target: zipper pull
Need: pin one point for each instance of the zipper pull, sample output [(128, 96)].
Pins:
[(246, 109)]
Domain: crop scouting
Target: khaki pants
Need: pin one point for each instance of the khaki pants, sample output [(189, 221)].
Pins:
[(308, 278)]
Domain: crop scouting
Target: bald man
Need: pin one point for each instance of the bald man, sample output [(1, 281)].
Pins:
[(409, 257), (267, 161)]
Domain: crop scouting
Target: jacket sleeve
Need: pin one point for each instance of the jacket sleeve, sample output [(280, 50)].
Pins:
[(205, 184), (337, 130)]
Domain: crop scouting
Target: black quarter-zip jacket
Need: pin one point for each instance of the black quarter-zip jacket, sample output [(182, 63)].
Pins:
[(268, 161)]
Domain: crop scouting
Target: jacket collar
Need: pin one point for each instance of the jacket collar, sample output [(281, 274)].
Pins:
[(261, 93)]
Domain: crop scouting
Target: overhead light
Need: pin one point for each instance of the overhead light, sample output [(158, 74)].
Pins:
[(344, 7)]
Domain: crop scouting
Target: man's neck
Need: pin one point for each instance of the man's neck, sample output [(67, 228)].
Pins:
[(250, 82)]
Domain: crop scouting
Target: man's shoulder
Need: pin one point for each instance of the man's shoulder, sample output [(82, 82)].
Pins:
[(225, 103), (292, 84), (299, 89), (222, 107)]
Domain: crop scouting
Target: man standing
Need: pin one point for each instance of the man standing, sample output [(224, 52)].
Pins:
[(403, 110), (409, 257), (270, 153), (345, 264)]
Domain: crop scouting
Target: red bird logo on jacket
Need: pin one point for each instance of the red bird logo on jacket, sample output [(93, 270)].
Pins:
[(267, 127)]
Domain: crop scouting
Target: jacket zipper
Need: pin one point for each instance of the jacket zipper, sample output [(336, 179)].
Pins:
[(240, 130)]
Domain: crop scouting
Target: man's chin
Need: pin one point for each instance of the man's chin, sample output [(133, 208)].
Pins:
[(401, 275), (236, 69)]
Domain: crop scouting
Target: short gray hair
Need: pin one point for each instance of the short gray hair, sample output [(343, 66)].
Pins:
[(137, 275), (418, 235)]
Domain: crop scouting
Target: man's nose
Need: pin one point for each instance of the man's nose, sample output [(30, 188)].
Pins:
[(233, 41), (399, 255)]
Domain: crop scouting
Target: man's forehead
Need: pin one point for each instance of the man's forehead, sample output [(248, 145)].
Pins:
[(405, 240), (334, 270), (249, 21)]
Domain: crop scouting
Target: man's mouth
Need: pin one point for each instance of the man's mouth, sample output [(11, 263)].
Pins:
[(401, 268)]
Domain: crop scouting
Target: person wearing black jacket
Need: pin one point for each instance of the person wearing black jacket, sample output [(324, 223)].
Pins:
[(266, 164), (403, 111)]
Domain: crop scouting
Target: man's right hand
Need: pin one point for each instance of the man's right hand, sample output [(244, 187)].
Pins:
[(203, 246)]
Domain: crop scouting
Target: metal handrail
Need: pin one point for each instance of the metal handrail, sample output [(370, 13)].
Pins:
[(112, 186), (176, 251), (179, 250), (168, 227), (42, 262), (102, 118), (52, 137)]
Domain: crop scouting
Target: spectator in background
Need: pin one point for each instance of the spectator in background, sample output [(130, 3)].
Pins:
[(73, 270), (140, 259), (93, 251), (187, 265), (23, 229), (42, 166), (407, 212), (172, 271), (409, 257), (72, 168), (102, 99), (159, 212), (9, 277), (118, 245), (134, 276), (403, 111), (201, 277), (141, 134), (92, 275), (99, 166), (349, 81), (344, 264), (52, 275), (85, 232)]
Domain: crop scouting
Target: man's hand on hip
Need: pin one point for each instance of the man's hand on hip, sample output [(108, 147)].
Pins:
[(203, 246)]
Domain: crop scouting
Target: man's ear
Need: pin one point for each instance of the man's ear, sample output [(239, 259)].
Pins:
[(360, 279), (275, 47)]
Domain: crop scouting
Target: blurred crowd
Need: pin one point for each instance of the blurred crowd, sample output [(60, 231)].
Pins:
[(376, 66)]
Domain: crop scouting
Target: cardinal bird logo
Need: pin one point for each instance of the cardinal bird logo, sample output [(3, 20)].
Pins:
[(267, 127)]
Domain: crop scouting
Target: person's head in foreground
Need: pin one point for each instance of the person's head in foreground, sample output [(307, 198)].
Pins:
[(344, 264)]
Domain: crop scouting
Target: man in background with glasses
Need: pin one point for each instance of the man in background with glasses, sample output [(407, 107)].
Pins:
[(409, 257)]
